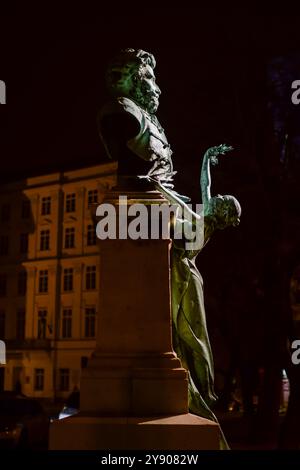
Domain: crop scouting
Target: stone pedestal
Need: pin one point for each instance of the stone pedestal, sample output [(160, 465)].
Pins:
[(177, 432), (134, 392)]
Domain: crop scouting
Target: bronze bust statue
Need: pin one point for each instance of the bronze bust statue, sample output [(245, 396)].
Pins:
[(128, 125)]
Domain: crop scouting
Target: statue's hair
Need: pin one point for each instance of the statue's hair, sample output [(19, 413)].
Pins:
[(235, 207), (216, 203), (127, 64)]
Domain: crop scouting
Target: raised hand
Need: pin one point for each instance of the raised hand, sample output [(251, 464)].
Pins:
[(210, 157), (213, 152)]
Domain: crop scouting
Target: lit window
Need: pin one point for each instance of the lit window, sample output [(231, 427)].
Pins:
[(45, 240), (90, 322), (66, 331), (70, 237), (46, 205), (90, 278), (68, 279), (92, 197), (42, 324), (43, 281), (71, 202)]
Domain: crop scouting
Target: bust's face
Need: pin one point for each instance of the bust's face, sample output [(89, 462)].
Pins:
[(145, 91)]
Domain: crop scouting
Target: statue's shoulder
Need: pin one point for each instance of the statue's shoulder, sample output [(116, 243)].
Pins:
[(122, 105), (120, 119)]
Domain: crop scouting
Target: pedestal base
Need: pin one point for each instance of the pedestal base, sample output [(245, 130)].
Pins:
[(179, 432)]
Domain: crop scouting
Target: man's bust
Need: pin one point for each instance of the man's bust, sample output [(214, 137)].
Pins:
[(128, 126)]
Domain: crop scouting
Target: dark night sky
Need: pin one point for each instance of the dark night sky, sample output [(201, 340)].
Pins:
[(209, 68)]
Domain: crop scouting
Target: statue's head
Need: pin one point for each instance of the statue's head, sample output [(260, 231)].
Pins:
[(131, 74), (226, 210)]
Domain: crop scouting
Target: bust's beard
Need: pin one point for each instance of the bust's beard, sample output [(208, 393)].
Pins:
[(152, 106), (148, 101)]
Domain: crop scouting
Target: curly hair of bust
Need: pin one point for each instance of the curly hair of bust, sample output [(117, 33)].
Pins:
[(128, 64)]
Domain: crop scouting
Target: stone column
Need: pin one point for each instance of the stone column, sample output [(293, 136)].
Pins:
[(134, 392)]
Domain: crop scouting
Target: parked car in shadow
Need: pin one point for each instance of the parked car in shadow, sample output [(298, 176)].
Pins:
[(24, 424)]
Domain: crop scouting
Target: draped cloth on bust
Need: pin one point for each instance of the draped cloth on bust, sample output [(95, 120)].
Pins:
[(128, 131)]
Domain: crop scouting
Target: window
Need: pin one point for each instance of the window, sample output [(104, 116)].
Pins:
[(43, 281), (45, 240), (3, 285), (66, 331), (24, 243), (64, 380), (92, 197), (90, 322), (39, 379), (68, 279), (91, 235), (90, 277), (2, 324), (3, 245), (22, 282), (71, 202), (20, 325), (70, 237), (42, 324), (5, 213), (25, 209), (46, 205)]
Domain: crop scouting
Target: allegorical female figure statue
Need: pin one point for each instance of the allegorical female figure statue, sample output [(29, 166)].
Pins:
[(133, 135), (190, 335)]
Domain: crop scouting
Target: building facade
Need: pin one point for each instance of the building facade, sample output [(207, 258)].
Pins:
[(49, 277)]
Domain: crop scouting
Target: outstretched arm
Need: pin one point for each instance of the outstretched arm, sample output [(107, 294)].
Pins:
[(210, 157), (174, 199)]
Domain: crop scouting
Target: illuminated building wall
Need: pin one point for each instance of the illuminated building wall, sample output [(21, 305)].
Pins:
[(49, 278)]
